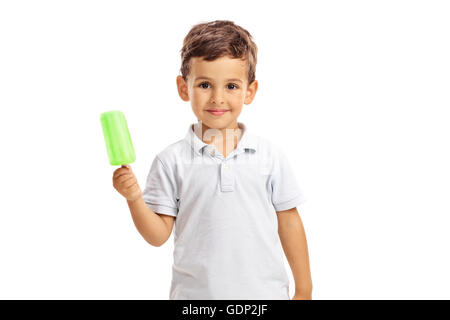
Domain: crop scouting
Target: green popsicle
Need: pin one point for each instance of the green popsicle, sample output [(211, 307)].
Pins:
[(117, 138)]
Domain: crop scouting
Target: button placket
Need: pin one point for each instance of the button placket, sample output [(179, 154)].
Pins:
[(226, 177)]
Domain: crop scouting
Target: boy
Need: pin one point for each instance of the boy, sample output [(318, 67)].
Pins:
[(231, 195)]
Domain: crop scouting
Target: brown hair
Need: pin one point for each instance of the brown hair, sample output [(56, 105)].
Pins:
[(212, 40)]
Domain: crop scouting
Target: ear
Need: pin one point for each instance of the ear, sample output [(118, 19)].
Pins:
[(251, 92), (182, 88)]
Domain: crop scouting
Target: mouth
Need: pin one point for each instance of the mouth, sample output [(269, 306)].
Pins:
[(217, 112)]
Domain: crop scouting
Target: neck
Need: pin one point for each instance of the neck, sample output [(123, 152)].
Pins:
[(223, 138)]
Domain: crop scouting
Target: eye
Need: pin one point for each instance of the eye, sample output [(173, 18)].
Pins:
[(203, 83), (232, 84)]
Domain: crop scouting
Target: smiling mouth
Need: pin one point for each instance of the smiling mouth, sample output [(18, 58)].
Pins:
[(217, 112)]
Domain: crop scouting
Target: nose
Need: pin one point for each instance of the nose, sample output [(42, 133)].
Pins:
[(217, 96)]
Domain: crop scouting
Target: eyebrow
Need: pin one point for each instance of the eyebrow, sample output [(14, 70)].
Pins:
[(232, 79)]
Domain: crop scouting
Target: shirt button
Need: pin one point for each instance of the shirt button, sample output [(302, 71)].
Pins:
[(225, 166), (211, 151)]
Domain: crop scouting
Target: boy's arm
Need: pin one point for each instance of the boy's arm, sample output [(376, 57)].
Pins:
[(293, 240), (154, 228)]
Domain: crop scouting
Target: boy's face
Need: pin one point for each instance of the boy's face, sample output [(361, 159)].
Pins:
[(219, 84)]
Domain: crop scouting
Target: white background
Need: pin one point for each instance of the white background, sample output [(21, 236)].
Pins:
[(355, 92)]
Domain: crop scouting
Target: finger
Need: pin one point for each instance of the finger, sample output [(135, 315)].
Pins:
[(124, 167), (124, 178), (132, 186), (129, 183), (120, 178), (119, 172)]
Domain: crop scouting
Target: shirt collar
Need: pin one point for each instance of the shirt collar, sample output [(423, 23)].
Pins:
[(247, 140)]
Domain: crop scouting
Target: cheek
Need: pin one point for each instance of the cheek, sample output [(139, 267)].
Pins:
[(198, 102), (199, 96), (238, 99)]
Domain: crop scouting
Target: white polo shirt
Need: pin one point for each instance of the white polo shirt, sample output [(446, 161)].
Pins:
[(226, 230)]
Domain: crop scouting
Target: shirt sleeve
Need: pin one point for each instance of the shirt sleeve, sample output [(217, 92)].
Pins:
[(286, 193), (160, 192)]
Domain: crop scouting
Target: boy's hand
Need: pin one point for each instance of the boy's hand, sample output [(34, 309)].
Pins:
[(126, 183)]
